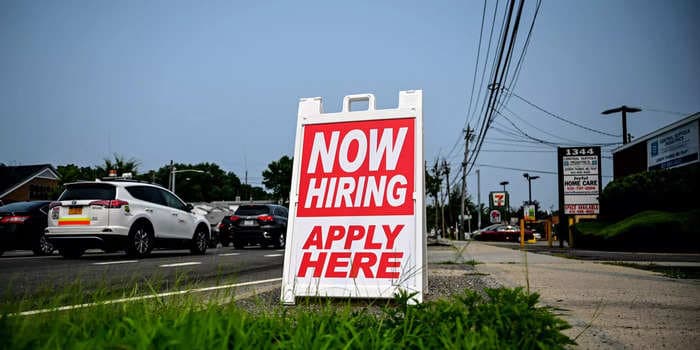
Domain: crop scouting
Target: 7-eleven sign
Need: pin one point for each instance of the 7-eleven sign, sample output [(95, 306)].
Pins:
[(498, 200)]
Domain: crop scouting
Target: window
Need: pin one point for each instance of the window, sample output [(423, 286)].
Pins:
[(147, 193), (171, 200), (283, 212), (21, 207), (88, 191), (39, 192), (250, 210)]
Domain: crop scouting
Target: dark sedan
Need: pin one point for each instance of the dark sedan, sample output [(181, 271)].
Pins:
[(22, 226), (263, 224), (508, 233)]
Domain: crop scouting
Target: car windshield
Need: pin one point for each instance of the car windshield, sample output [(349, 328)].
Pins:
[(88, 191), (20, 207), (252, 210)]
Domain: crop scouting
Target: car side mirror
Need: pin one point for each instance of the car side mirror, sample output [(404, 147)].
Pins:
[(189, 207)]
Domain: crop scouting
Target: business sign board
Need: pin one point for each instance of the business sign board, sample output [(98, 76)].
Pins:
[(674, 148), (529, 212), (579, 179), (356, 226), (495, 216), (498, 200)]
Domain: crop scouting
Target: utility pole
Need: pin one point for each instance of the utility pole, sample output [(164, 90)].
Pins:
[(446, 170), (436, 173), (478, 197), (170, 176), (467, 139), (624, 110)]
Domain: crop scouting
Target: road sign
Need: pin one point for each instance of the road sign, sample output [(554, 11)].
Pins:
[(529, 212), (579, 179), (356, 210), (498, 199), (495, 216)]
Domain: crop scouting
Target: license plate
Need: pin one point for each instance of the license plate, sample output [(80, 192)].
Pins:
[(75, 211), (248, 222)]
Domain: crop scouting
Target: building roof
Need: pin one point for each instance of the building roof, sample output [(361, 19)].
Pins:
[(644, 138), (13, 177)]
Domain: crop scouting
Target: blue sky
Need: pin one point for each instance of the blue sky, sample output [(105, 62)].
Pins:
[(219, 81)]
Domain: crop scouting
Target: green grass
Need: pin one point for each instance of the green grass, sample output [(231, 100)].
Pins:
[(680, 272), (646, 221), (503, 319)]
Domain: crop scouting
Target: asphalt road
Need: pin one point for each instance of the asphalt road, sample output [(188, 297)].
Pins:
[(21, 273)]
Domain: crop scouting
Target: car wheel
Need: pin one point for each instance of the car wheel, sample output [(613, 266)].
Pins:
[(281, 240), (43, 246), (224, 242), (140, 240), (71, 253), (199, 242)]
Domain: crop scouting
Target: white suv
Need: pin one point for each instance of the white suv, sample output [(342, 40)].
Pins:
[(130, 215)]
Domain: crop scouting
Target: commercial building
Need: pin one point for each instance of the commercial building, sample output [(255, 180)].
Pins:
[(675, 145)]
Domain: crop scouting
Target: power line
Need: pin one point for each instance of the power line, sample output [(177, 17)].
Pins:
[(560, 118), (494, 90), (550, 142), (548, 172), (478, 55), (486, 60), (538, 129), (518, 65), (649, 109)]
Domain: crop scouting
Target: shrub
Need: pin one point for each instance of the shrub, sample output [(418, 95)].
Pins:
[(669, 190)]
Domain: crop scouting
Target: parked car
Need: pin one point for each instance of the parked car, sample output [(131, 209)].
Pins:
[(129, 215), (22, 226), (476, 233), (263, 224), (503, 233)]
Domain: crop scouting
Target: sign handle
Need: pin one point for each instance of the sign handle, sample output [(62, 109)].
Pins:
[(347, 100)]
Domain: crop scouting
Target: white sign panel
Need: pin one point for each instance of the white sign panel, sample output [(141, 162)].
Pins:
[(581, 165), (356, 210), (579, 180), (581, 184), (673, 148)]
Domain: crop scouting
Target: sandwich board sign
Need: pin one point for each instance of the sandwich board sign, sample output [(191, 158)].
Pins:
[(356, 225)]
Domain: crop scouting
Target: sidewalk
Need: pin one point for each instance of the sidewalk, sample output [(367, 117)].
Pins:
[(626, 308)]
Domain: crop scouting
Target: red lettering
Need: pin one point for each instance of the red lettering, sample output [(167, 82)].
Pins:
[(386, 263), (335, 233), (391, 235), (335, 262), (315, 238), (369, 242), (307, 263), (363, 261), (355, 233)]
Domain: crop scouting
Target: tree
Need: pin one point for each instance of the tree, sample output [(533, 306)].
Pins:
[(212, 185), (278, 177), (120, 164)]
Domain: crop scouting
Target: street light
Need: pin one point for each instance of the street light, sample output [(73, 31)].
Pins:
[(624, 109), (529, 186), (506, 215), (174, 171)]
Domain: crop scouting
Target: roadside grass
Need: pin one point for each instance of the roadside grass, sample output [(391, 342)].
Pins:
[(679, 272), (645, 221), (651, 230), (502, 319), (80, 292)]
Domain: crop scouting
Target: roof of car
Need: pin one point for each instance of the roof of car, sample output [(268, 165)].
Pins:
[(114, 182)]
